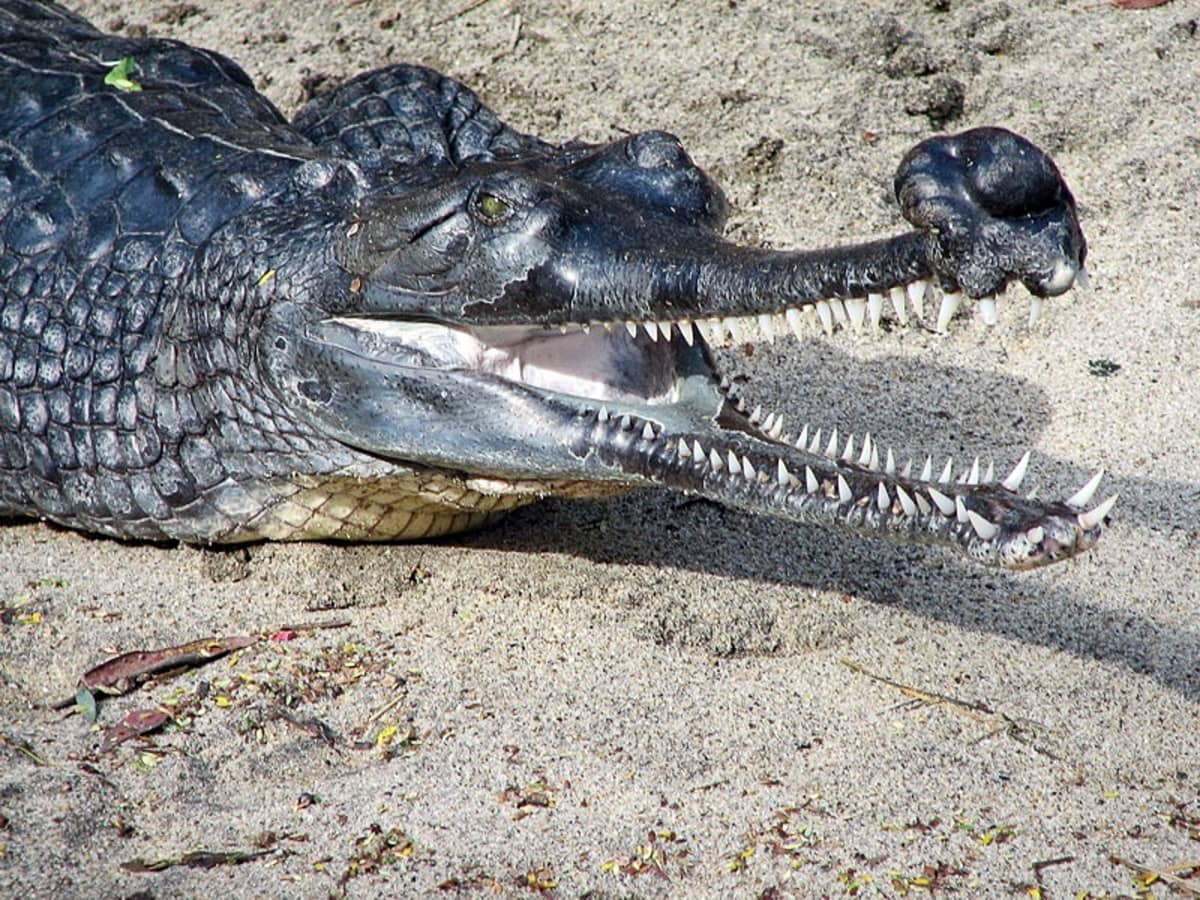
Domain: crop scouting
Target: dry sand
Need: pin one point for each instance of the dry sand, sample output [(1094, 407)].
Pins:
[(645, 697)]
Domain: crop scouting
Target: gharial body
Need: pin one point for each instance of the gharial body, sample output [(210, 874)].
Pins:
[(395, 317)]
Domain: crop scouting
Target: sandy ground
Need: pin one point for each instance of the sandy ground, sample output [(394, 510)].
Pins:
[(644, 697)]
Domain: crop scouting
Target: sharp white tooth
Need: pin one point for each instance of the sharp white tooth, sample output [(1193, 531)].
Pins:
[(802, 441), (896, 295), (714, 460), (906, 472), (906, 502), (982, 526), (890, 465), (927, 469), (857, 311), (1017, 475), (989, 474), (882, 500), (845, 495), (839, 312), (923, 505), (756, 416), (825, 314), (602, 416), (848, 453), (697, 450), (626, 423), (651, 329), (960, 510), (916, 296), (743, 329), (987, 310), (748, 470), (768, 422), (1035, 310), (873, 465), (973, 475), (734, 466), (782, 475), (684, 452), (951, 300), (586, 327), (648, 432), (664, 328), (1084, 495), (777, 429), (944, 504), (686, 329), (795, 320), (815, 445), (810, 481), (766, 327), (831, 448), (875, 309), (1035, 535), (948, 471), (864, 458)]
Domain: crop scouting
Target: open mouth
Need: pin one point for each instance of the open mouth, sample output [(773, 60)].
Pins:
[(639, 403)]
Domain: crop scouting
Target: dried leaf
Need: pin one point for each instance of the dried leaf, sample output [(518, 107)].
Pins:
[(123, 673), (196, 859), (1138, 4), (137, 723)]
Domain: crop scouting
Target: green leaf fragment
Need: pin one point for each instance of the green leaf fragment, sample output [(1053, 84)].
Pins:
[(119, 76), (85, 703)]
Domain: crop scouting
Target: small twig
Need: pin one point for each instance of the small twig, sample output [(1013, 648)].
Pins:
[(964, 707), (314, 626), (382, 711), (462, 11), (1188, 886)]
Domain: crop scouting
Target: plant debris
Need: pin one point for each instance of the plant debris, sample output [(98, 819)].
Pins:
[(135, 724), (123, 673), (196, 859), (119, 76)]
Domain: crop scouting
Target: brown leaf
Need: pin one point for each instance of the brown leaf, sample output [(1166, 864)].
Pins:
[(122, 673), (136, 723), (1139, 4)]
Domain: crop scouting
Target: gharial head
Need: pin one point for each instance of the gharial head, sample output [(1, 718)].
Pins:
[(546, 317)]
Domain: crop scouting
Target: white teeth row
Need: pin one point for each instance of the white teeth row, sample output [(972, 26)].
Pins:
[(869, 457), (911, 502), (854, 314)]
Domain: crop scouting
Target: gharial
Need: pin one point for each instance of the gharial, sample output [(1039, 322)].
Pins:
[(395, 317)]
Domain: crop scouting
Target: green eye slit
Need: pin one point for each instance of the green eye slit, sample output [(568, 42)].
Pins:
[(491, 207)]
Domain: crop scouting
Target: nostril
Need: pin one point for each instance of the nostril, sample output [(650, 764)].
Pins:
[(657, 150)]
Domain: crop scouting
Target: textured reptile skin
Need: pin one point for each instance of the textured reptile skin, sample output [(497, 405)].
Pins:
[(138, 234)]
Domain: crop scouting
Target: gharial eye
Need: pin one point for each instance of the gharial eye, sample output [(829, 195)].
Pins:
[(490, 208)]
